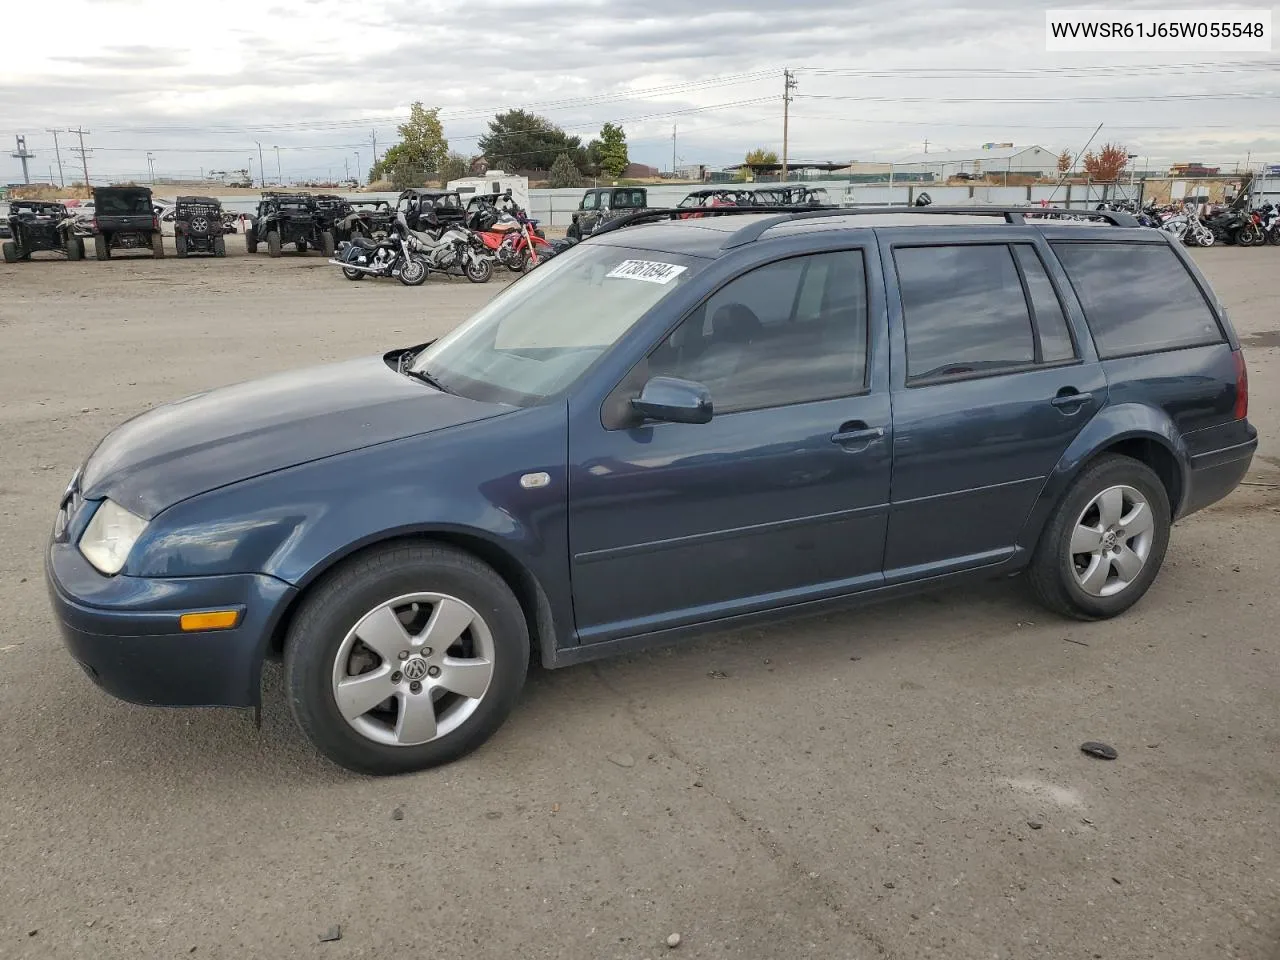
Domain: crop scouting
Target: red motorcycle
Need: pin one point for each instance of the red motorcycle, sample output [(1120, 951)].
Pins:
[(514, 241)]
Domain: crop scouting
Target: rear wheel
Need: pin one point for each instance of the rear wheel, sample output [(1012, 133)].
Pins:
[(405, 658), (273, 243), (352, 274), (301, 246), (157, 245), (1105, 542), (327, 244), (479, 269), (75, 248), (102, 247), (219, 246), (251, 239), (180, 244), (10, 252)]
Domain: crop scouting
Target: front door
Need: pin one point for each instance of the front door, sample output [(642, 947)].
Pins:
[(781, 497), (992, 385)]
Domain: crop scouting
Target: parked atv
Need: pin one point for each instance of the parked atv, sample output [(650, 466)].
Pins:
[(288, 218), (125, 218), (36, 225), (198, 226)]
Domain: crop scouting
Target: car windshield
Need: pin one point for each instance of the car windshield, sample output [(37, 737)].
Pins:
[(124, 204), (541, 334)]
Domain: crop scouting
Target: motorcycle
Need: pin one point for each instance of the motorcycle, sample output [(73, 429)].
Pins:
[(1188, 228), (395, 255), (1270, 222), (453, 248), (1234, 226), (513, 242)]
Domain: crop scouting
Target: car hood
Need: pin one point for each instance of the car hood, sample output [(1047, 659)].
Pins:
[(234, 433)]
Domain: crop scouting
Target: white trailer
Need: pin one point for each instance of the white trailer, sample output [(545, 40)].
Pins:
[(495, 181)]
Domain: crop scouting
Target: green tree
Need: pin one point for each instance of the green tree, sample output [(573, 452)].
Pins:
[(613, 149), (564, 173), (518, 140), (421, 151), (455, 167), (760, 157)]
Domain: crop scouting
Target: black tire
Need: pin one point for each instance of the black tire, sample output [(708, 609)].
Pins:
[(219, 246), (273, 243), (354, 275), (180, 245), (10, 252), (574, 232), (327, 243), (338, 602), (1052, 576), (157, 245), (519, 262), (418, 273), (79, 245), (102, 247), (301, 246), (74, 248), (479, 271), (251, 239)]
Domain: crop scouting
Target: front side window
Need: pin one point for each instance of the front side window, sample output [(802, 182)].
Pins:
[(1137, 297), (794, 331), (539, 335), (589, 201)]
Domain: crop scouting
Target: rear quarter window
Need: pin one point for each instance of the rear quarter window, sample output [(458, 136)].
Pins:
[(1137, 297)]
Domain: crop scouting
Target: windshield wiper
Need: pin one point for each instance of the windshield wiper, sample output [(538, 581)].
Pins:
[(423, 375)]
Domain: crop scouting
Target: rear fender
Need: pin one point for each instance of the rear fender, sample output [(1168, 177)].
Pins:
[(1111, 425)]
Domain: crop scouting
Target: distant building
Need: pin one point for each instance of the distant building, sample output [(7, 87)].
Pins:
[(980, 162), (1193, 170), (640, 171)]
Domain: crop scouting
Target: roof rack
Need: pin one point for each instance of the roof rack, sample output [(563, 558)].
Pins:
[(753, 231)]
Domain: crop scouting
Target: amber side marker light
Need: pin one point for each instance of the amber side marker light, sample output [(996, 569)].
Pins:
[(209, 620)]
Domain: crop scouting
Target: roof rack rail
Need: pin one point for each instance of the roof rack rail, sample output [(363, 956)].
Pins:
[(753, 231)]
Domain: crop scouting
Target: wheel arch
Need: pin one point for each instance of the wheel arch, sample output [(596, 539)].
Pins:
[(528, 591), (1133, 430)]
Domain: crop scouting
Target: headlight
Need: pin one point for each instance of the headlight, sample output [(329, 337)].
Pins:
[(110, 536)]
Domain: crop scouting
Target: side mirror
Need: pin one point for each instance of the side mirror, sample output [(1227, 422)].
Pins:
[(673, 400)]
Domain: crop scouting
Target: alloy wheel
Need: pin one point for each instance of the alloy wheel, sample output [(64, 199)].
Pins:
[(1111, 541), (413, 669)]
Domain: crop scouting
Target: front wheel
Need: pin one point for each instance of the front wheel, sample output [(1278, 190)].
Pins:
[(10, 252), (219, 246), (519, 262), (251, 239), (180, 245), (405, 658), (1105, 542), (102, 248), (75, 248), (479, 269), (273, 243), (413, 273), (327, 244), (157, 245)]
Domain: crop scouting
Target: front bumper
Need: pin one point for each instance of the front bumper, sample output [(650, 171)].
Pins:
[(124, 632)]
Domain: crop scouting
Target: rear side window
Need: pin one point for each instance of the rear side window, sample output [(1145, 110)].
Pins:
[(964, 310), (1137, 297), (1049, 321)]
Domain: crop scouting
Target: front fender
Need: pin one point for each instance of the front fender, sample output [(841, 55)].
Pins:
[(1111, 425)]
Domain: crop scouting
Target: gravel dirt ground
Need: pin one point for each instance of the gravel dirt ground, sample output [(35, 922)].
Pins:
[(904, 781)]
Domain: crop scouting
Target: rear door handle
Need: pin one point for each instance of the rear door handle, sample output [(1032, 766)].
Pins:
[(1072, 399), (854, 433)]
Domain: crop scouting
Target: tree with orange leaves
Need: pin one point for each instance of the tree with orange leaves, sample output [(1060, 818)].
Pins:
[(1108, 164)]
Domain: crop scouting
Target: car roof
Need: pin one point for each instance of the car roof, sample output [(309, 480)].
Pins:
[(712, 235)]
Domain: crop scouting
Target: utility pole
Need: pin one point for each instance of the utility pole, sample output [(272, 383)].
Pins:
[(279, 169), (375, 147), (24, 155), (673, 151), (346, 166), (788, 84), (57, 153), (84, 154), (151, 168), (262, 167), (926, 146), (359, 175)]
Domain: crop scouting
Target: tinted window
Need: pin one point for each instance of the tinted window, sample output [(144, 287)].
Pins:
[(790, 332), (1137, 297), (1051, 323), (964, 310)]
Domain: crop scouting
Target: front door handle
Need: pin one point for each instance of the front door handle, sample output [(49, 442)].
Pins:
[(1068, 397), (856, 432)]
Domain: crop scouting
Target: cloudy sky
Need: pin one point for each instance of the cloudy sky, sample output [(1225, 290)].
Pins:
[(199, 86)]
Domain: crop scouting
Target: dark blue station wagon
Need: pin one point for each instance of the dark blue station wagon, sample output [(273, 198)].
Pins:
[(670, 426)]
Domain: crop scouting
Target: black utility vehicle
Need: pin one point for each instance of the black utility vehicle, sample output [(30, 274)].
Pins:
[(125, 218), (600, 205), (792, 195), (198, 226), (371, 219), (36, 225), (285, 218), (431, 208)]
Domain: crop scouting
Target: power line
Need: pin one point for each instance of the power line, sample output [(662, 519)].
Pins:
[(1155, 98)]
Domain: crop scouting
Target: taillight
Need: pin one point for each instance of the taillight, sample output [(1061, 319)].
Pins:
[(1242, 386), (155, 223), (95, 224)]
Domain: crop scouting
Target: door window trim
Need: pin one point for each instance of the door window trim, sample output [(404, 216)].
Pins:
[(1037, 348), (863, 389)]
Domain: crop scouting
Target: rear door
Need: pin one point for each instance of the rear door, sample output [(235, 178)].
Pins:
[(993, 377)]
